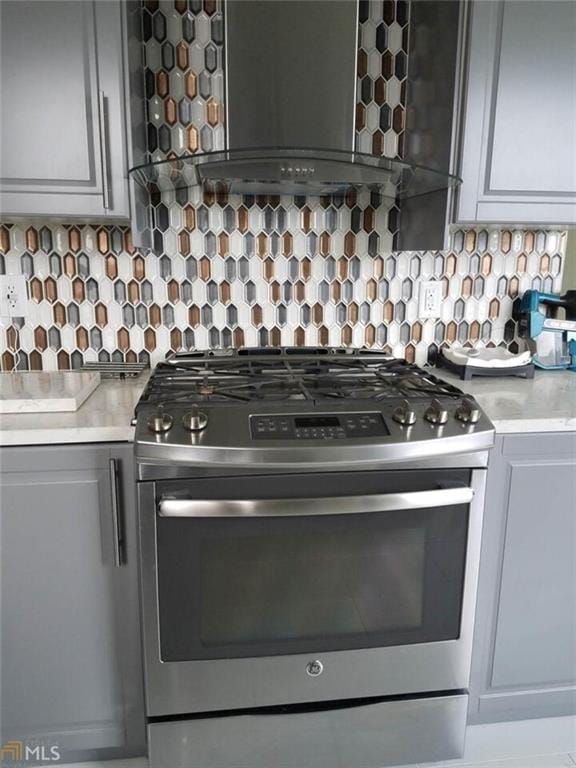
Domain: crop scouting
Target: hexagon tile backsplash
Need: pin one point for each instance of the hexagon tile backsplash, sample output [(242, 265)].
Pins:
[(260, 271)]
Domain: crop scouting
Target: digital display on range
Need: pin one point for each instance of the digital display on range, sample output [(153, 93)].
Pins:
[(302, 422)]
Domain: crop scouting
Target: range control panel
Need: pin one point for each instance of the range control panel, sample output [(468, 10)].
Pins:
[(321, 427)]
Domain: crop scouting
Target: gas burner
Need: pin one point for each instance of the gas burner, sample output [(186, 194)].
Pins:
[(303, 374)]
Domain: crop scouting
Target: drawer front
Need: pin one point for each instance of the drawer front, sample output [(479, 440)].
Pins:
[(365, 736)]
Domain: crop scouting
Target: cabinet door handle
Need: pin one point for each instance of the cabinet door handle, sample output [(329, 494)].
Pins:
[(116, 515), (103, 120)]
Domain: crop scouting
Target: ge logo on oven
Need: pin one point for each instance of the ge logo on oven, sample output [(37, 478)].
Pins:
[(314, 668)]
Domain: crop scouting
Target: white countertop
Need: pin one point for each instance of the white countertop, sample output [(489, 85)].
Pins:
[(44, 392), (104, 417), (546, 403)]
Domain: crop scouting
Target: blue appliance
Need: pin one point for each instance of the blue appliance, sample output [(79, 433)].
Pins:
[(548, 321)]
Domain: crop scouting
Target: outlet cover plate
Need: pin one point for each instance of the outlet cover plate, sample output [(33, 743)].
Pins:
[(430, 299), (13, 296)]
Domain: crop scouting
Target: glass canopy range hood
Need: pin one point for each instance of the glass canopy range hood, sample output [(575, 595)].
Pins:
[(290, 111)]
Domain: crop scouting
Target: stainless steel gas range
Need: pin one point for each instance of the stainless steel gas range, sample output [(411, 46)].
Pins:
[(310, 526)]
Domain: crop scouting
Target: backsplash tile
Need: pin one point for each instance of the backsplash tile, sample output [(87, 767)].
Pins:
[(260, 271)]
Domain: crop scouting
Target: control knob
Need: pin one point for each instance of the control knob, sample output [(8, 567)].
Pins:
[(404, 414), (468, 411), (195, 420), (159, 421), (436, 413)]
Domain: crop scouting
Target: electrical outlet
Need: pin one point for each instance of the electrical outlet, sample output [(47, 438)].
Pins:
[(430, 299), (13, 296)]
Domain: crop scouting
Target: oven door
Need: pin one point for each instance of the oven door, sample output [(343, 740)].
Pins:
[(280, 589)]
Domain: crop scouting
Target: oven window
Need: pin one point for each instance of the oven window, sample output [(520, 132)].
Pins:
[(230, 588)]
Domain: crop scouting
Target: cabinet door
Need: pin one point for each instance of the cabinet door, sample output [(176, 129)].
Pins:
[(62, 149), (524, 662), (70, 646), (518, 159)]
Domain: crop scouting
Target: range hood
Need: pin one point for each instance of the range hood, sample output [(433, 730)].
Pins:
[(291, 79)]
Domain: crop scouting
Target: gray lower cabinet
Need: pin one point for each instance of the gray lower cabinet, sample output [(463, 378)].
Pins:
[(524, 659), (70, 635), (518, 154), (66, 142)]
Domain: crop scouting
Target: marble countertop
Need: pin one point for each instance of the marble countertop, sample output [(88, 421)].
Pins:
[(44, 392), (546, 403), (104, 417)]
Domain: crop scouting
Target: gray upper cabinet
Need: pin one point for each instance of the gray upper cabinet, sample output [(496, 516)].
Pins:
[(524, 659), (69, 622), (64, 146), (518, 153)]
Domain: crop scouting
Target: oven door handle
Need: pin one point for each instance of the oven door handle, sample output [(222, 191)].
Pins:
[(334, 505)]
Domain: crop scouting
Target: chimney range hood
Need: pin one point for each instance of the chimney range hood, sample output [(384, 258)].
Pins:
[(291, 79)]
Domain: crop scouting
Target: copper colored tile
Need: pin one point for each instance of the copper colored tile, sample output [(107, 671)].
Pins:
[(12, 338), (275, 337), (63, 359), (173, 291), (262, 242), (155, 315), (529, 241), (192, 138), (346, 336), (205, 269), (275, 292), (388, 312), (306, 269), (362, 64), (238, 337), (387, 65), (268, 270), (299, 291), (522, 263), (351, 198), (31, 240), (150, 339), (182, 58), (184, 243), (409, 353), (131, 356), (416, 332), (101, 315), (74, 239), (50, 290), (212, 112), (210, 7), (369, 215), (170, 111), (78, 291), (256, 315), (306, 219), (123, 339), (470, 240), (545, 263), (287, 243), (378, 268), (398, 119), (323, 336), (180, 6), (194, 316), (349, 244), (191, 85), (371, 290), (335, 291), (299, 337), (360, 116), (69, 265), (223, 244), (175, 339), (466, 287), (35, 360), (59, 313), (474, 331), (450, 265), (378, 143), (451, 331), (221, 191), (380, 91), (486, 264), (133, 292), (111, 267), (494, 309), (36, 290), (513, 287), (103, 241), (40, 338), (505, 241), (225, 292), (370, 336), (242, 219), (342, 267), (317, 314), (353, 312), (82, 341), (128, 243), (189, 217), (4, 240), (445, 287), (8, 360), (325, 244), (138, 268)]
